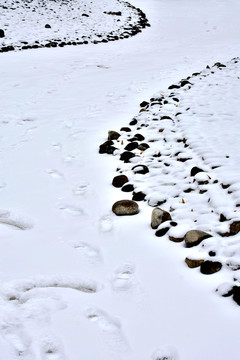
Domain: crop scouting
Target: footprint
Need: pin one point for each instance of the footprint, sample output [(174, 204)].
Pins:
[(89, 252), (105, 223), (51, 349), (71, 209), (81, 188), (123, 278), (14, 220), (165, 353), (103, 320), (55, 174)]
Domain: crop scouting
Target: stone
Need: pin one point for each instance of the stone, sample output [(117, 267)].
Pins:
[(195, 237), (210, 267), (125, 207), (159, 216), (195, 170), (193, 263), (175, 239), (139, 137), (235, 228), (144, 103), (236, 294), (107, 148), (131, 146), (47, 26), (133, 122), (113, 135), (119, 181), (126, 156), (140, 169), (143, 147), (126, 129), (2, 33), (139, 196), (127, 188), (173, 87), (162, 232)]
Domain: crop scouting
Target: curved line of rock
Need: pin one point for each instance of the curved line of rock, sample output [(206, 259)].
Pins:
[(125, 31), (142, 154)]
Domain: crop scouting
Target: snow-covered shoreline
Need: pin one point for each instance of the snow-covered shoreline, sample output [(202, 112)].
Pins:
[(76, 280), (62, 23)]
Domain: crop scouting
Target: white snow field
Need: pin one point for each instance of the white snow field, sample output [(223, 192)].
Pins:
[(77, 281)]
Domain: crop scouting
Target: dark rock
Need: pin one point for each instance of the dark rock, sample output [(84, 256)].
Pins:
[(139, 196), (173, 87), (2, 33), (47, 26), (133, 122), (162, 232), (113, 135), (143, 147), (165, 117), (210, 267), (195, 237), (128, 188), (107, 148), (219, 65), (131, 146), (191, 263), (236, 294), (195, 170), (139, 137), (126, 156), (222, 218), (173, 223), (140, 169), (125, 207), (174, 239), (212, 253), (159, 216), (126, 129), (144, 103), (86, 15), (185, 82), (235, 228), (119, 181)]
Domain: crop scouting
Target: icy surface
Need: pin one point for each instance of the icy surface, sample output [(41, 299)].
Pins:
[(77, 281)]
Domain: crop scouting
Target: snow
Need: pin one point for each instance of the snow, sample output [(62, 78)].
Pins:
[(76, 280)]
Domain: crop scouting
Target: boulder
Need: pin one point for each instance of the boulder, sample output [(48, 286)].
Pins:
[(119, 181), (195, 170), (113, 135), (126, 156), (127, 188), (47, 26), (2, 33), (193, 263), (195, 237), (107, 148), (138, 196), (140, 169), (131, 146), (210, 267), (162, 232), (125, 207), (235, 228), (236, 294), (159, 216)]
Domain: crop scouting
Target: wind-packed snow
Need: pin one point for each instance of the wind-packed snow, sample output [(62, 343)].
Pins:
[(76, 280)]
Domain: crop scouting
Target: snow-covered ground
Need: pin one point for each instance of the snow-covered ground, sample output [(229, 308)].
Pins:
[(76, 280)]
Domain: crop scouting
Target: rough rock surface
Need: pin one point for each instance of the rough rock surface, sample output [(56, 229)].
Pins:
[(125, 207), (158, 217), (195, 237), (210, 267), (193, 263)]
